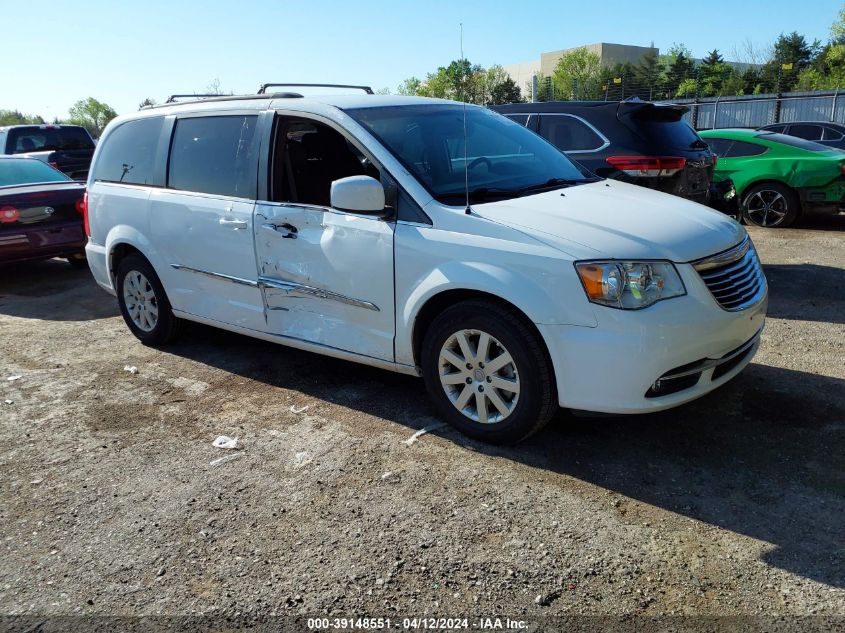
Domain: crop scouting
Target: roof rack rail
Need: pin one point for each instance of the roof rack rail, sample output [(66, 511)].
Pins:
[(264, 87), (174, 98)]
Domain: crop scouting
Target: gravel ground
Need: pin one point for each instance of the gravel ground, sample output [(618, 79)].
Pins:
[(114, 501)]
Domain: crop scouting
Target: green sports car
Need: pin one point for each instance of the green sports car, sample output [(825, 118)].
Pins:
[(778, 177)]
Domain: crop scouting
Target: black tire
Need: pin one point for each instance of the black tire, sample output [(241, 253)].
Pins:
[(78, 261), (536, 401), (167, 326), (763, 204)]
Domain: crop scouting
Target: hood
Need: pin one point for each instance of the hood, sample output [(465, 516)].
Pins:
[(615, 220)]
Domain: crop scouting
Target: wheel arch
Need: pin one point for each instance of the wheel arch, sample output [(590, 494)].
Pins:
[(438, 302), (764, 181), (118, 253), (123, 240)]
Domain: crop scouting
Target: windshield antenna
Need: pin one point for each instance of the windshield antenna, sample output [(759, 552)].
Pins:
[(468, 210)]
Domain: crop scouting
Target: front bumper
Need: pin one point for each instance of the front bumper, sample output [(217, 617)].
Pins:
[(615, 367)]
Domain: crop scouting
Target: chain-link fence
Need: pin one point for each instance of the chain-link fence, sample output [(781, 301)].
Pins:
[(759, 110), (705, 112)]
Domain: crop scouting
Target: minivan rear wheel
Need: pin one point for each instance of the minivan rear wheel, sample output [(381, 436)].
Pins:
[(488, 373), (143, 302)]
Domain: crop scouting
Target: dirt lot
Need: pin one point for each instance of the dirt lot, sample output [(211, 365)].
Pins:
[(111, 503)]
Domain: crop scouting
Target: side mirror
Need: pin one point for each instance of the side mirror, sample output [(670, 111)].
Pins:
[(358, 194)]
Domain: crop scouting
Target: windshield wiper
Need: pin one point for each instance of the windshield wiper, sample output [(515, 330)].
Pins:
[(484, 193), (481, 193), (556, 183), (487, 193)]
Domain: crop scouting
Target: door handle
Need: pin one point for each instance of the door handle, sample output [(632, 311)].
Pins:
[(233, 224), (284, 230)]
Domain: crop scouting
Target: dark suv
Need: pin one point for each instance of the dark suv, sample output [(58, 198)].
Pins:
[(640, 142), (68, 148)]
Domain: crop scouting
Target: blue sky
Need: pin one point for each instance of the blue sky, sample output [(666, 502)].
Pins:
[(121, 52)]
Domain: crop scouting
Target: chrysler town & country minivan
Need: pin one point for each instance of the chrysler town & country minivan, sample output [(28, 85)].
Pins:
[(425, 237)]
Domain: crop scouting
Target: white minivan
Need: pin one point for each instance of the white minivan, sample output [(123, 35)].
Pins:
[(425, 237)]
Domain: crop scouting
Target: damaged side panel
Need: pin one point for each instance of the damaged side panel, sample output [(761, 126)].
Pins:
[(327, 277)]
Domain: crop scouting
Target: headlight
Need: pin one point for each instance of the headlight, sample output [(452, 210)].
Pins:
[(629, 285)]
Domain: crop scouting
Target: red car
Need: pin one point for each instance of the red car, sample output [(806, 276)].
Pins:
[(41, 212)]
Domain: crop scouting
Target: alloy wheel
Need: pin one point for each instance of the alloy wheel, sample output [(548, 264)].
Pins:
[(479, 376), (767, 207), (140, 299)]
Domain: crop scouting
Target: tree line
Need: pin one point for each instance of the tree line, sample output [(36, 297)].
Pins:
[(93, 115), (791, 63), (90, 113), (463, 81)]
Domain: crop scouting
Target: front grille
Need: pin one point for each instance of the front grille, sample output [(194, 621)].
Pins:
[(735, 277)]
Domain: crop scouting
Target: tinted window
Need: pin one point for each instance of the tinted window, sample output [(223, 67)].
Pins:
[(128, 152), (499, 159), (569, 134), (522, 119), (741, 148), (212, 155), (20, 171), (794, 141), (48, 138), (665, 128), (832, 135), (775, 128), (719, 146), (809, 132)]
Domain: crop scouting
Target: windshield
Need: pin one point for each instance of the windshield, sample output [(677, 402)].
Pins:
[(24, 171), (48, 138), (502, 158)]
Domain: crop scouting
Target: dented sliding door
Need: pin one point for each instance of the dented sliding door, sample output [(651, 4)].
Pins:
[(326, 276)]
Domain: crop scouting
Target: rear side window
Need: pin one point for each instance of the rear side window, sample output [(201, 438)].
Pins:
[(128, 152), (775, 128), (719, 146), (794, 141), (48, 138), (809, 132), (832, 135), (212, 155), (522, 119), (741, 148), (569, 134)]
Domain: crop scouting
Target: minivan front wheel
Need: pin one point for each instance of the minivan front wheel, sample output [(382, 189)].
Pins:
[(488, 373), (143, 302)]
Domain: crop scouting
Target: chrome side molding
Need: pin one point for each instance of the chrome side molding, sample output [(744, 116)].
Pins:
[(293, 288), (207, 273)]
